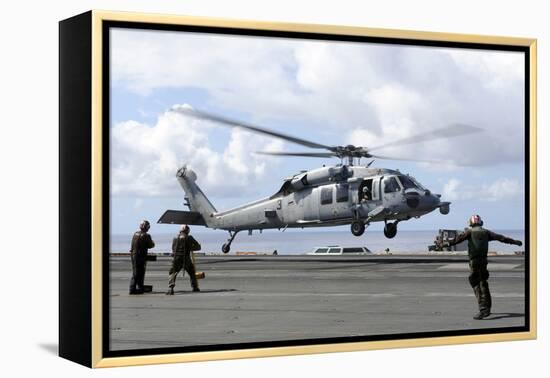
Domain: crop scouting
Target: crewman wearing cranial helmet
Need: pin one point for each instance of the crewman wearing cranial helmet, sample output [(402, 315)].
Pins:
[(141, 242), (478, 246), (183, 246)]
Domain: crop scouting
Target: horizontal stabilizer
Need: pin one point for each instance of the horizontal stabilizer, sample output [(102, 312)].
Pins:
[(182, 217)]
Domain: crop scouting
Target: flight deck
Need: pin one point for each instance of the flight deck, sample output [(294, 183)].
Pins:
[(277, 298)]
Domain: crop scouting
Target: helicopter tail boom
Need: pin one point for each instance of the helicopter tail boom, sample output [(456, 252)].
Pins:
[(198, 202)]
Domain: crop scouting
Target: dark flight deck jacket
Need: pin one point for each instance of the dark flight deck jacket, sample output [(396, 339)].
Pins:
[(478, 241)]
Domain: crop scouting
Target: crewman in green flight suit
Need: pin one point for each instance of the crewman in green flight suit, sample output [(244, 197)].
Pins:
[(141, 243), (183, 246), (478, 246)]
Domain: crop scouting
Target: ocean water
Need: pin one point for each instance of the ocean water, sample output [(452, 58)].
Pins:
[(301, 242)]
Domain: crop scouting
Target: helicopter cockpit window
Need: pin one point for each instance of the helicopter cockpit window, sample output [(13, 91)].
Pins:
[(391, 185), (419, 185), (326, 196), (407, 182)]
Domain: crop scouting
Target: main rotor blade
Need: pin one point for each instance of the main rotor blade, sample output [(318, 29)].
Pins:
[(305, 154), (440, 162), (442, 133), (247, 126)]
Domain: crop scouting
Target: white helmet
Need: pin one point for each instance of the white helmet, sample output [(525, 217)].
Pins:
[(475, 220)]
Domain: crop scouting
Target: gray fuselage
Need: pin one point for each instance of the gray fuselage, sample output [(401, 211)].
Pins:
[(325, 196)]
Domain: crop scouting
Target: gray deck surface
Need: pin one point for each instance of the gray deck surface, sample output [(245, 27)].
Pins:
[(266, 298)]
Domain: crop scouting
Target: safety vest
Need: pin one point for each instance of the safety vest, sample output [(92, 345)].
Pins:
[(184, 245), (478, 243)]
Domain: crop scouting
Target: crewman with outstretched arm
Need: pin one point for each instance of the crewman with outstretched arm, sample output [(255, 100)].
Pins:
[(478, 246)]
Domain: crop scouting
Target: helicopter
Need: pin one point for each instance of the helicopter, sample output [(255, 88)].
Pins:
[(344, 194)]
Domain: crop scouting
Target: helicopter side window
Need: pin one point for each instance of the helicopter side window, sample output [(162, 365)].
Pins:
[(342, 193), (326, 196), (391, 185)]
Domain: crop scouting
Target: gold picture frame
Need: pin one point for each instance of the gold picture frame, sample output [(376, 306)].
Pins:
[(82, 315)]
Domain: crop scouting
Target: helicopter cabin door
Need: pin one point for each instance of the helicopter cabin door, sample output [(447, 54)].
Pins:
[(327, 204), (368, 194), (391, 191), (311, 208), (342, 204)]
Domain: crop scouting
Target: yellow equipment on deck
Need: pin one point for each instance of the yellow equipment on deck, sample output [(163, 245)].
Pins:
[(199, 275)]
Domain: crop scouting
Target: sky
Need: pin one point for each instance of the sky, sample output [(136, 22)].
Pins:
[(333, 93)]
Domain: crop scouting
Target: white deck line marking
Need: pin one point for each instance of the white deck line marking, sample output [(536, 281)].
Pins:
[(496, 267)]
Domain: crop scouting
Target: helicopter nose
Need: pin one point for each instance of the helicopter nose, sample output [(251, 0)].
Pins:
[(435, 200), (430, 201)]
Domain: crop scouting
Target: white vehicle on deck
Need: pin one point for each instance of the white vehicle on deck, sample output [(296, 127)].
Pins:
[(335, 250)]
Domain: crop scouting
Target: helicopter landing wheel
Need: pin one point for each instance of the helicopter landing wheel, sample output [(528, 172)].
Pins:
[(226, 247), (357, 228), (390, 230)]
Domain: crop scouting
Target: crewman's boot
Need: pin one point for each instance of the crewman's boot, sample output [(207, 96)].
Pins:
[(484, 301), (477, 291), (195, 286), (194, 283), (170, 291), (482, 314)]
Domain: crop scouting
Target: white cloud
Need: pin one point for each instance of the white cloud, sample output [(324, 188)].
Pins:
[(452, 191), (500, 190), (138, 204), (494, 69), (369, 94), (394, 107), (145, 157), (431, 89), (503, 189)]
